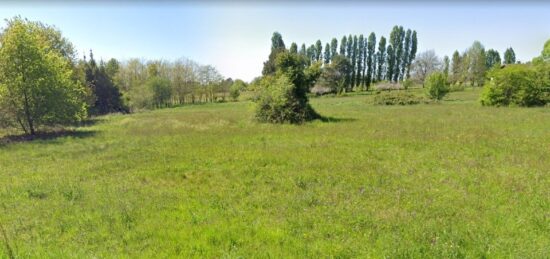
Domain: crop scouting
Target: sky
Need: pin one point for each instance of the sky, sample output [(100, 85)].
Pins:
[(235, 37)]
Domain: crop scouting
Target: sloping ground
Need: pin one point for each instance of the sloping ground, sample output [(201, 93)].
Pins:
[(442, 180)]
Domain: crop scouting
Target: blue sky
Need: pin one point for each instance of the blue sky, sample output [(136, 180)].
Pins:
[(235, 37)]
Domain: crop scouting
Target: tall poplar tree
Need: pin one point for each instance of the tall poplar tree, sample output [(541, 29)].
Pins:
[(327, 55), (509, 56), (333, 47), (412, 53), (318, 50), (343, 46), (277, 46), (293, 48), (371, 45), (455, 67), (406, 53), (381, 56), (359, 59), (390, 61), (349, 50)]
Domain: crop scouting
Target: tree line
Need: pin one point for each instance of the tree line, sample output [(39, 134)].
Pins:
[(43, 84)]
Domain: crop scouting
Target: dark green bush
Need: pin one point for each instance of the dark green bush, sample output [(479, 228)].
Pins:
[(521, 85), (398, 98)]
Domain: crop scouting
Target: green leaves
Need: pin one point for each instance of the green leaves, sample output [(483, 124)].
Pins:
[(436, 85), (38, 88)]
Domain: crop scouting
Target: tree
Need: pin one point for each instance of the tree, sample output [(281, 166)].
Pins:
[(371, 45), (106, 95), (303, 51), (349, 55), (293, 48), (406, 53), (236, 88), (390, 61), (333, 47), (426, 63), (282, 97), (412, 53), (343, 45), (37, 84), (393, 63), (546, 50), (359, 59), (477, 63), (509, 56), (436, 85), (492, 59), (318, 50), (446, 64), (455, 69), (398, 48), (381, 56), (327, 54), (334, 76), (277, 46)]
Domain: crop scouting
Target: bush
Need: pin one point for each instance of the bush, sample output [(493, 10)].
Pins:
[(436, 85), (282, 96), (277, 102), (522, 85), (398, 98), (407, 83)]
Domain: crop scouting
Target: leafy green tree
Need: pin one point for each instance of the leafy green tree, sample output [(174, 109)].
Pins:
[(327, 54), (381, 56), (398, 48), (343, 45), (436, 85), (277, 46), (354, 60), (161, 90), (509, 56), (371, 45), (334, 76), (492, 59), (390, 62), (412, 52), (406, 53), (37, 84), (518, 84), (318, 50), (106, 95), (303, 51), (236, 88), (446, 64), (349, 55), (455, 68), (360, 43), (283, 96), (293, 48), (334, 47), (546, 51), (477, 63)]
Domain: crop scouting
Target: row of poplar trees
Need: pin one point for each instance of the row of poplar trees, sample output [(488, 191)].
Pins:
[(391, 61)]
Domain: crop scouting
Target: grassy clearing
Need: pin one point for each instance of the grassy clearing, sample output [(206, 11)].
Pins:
[(450, 179)]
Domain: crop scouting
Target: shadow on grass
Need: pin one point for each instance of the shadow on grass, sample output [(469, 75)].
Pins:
[(50, 135), (330, 119)]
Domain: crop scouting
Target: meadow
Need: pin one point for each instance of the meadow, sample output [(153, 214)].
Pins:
[(443, 180)]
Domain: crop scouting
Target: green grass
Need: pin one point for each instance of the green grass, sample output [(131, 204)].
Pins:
[(444, 180)]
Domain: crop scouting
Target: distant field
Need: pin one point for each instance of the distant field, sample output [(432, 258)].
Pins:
[(452, 179)]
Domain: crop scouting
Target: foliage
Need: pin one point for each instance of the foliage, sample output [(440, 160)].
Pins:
[(277, 46), (509, 56), (407, 83), (160, 89), (236, 88), (38, 86), (436, 85), (398, 98), (282, 97), (522, 85)]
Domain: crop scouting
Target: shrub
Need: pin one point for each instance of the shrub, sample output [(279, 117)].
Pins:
[(398, 98), (407, 83), (436, 85), (282, 96), (277, 102), (522, 85)]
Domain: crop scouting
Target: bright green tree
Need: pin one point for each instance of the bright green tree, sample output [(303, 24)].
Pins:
[(37, 84), (492, 59), (436, 85)]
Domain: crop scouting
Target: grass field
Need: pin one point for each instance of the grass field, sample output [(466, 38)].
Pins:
[(445, 180)]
